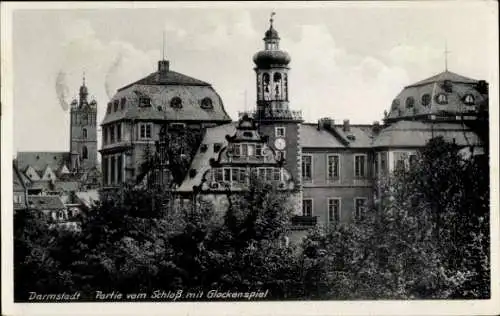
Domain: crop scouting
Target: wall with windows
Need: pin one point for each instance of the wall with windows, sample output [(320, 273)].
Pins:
[(323, 206), (334, 167), (343, 175)]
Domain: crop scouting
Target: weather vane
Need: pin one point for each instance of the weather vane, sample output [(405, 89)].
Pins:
[(163, 51), (271, 20), (446, 52)]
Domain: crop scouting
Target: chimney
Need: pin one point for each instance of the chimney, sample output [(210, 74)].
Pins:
[(163, 67), (376, 127), (325, 123), (347, 127)]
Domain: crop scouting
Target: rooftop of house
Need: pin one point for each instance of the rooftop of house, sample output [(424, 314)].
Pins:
[(45, 202), (166, 95), (446, 93)]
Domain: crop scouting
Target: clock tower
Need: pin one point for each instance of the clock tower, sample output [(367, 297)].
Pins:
[(273, 114)]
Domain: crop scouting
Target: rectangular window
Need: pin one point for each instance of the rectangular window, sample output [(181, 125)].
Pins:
[(235, 175), (277, 174), (251, 150), (383, 162), (144, 102), (105, 134), (218, 175), (307, 167), (237, 150), (360, 166), (269, 174), (243, 175), (413, 160), (112, 134), (145, 130), (118, 132), (113, 165), (120, 168), (307, 207), (281, 155), (333, 210), (333, 167), (280, 132), (105, 170), (359, 207), (258, 150), (227, 174)]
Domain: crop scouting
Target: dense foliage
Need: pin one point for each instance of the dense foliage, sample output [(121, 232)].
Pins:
[(427, 237)]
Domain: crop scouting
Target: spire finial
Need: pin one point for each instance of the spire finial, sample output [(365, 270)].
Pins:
[(84, 78), (446, 52), (271, 20), (163, 47)]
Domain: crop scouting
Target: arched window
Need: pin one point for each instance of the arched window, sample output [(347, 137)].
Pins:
[(469, 99), (410, 101), (85, 153), (176, 103), (206, 103), (395, 104), (84, 133), (266, 80), (441, 98), (277, 77), (426, 99)]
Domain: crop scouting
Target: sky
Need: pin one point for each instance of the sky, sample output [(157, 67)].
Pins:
[(348, 60)]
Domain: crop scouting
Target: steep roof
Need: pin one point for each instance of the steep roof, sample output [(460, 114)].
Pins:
[(417, 134), (40, 160), (170, 78), (445, 75), (201, 160), (421, 98), (198, 99), (46, 202), (88, 198), (18, 181), (358, 136)]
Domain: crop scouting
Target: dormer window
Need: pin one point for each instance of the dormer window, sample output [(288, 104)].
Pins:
[(122, 103), (206, 104), (395, 104), (176, 103), (108, 110), (442, 98), (469, 99), (217, 147), (410, 102), (115, 106), (144, 102), (447, 86), (426, 99)]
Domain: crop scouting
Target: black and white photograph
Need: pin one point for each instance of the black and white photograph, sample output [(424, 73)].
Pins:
[(287, 158)]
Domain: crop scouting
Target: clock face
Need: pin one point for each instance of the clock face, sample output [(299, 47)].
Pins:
[(280, 143)]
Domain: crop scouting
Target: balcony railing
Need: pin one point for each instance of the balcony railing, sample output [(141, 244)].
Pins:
[(270, 114)]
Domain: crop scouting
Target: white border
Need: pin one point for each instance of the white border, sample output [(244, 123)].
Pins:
[(440, 307)]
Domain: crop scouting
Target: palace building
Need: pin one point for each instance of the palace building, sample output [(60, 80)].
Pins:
[(330, 167)]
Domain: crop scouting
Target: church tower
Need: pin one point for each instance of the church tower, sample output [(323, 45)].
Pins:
[(274, 116), (83, 131)]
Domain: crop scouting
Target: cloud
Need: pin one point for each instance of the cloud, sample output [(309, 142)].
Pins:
[(326, 80), (62, 90)]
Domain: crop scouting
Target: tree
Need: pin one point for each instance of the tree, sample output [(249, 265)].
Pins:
[(427, 238)]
